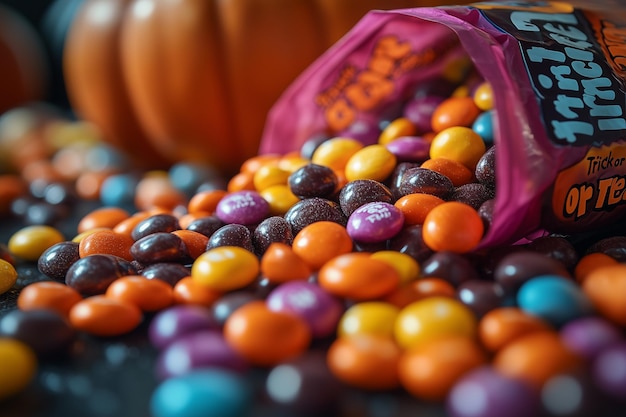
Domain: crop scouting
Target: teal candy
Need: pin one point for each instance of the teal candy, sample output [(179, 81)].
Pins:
[(556, 299), (483, 125), (201, 393)]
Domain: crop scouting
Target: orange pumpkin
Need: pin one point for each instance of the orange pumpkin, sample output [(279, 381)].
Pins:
[(23, 71), (193, 80)]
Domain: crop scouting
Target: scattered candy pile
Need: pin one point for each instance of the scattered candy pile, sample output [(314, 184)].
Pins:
[(358, 264)]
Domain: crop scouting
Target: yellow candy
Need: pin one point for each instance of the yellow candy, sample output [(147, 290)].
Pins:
[(369, 317), (18, 365), (397, 128), (269, 175), (407, 266), (334, 153), (225, 268), (483, 96), (280, 198), (372, 162), (30, 242), (8, 276), (460, 144), (431, 318)]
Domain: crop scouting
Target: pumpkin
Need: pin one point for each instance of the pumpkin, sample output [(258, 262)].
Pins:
[(193, 80), (23, 71)]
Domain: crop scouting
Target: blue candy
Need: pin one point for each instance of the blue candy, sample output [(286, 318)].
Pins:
[(119, 190), (483, 125), (555, 299), (200, 393)]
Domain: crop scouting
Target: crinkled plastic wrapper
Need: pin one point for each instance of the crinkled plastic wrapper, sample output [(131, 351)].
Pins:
[(557, 71)]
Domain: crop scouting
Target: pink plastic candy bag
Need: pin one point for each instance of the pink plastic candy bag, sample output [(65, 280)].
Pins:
[(557, 73)]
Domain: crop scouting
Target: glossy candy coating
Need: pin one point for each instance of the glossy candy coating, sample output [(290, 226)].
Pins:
[(147, 294), (19, 365), (48, 295), (431, 318), (102, 217), (460, 144), (405, 265), (232, 234), (503, 325), (200, 349), (373, 162), (163, 223), (225, 268), (453, 226), (202, 392), (30, 242), (358, 276), (366, 361), (107, 242), (423, 180), (93, 274), (375, 222), (409, 148), (104, 316), (485, 392), (188, 291), (47, 332), (8, 276), (317, 307), (313, 180), (368, 317), (265, 337), (270, 230), (280, 263), (604, 286), (555, 299), (334, 153), (416, 206), (429, 371), (311, 210), (174, 322), (588, 336), (356, 193), (243, 207), (453, 112), (536, 357)]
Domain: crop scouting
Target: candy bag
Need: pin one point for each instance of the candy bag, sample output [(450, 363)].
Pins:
[(557, 72)]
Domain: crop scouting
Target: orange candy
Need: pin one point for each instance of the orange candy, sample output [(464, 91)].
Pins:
[(100, 315), (106, 242), (48, 295), (454, 111), (107, 217), (589, 262), (366, 361), (241, 181), (195, 242), (416, 206), (265, 337), (458, 173), (536, 357), (147, 294), (321, 241), (430, 370), (280, 263), (501, 326), (205, 201), (11, 187), (188, 291), (358, 276), (420, 289), (453, 226), (606, 287), (157, 191), (127, 225)]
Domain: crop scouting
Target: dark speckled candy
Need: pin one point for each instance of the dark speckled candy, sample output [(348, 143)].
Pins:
[(359, 192), (57, 259), (273, 229), (311, 210), (93, 274), (313, 180), (231, 235), (423, 180)]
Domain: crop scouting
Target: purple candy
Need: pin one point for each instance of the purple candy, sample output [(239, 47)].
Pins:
[(205, 348), (608, 370), (484, 392), (174, 322), (318, 308), (242, 207), (375, 222), (420, 111), (589, 335), (409, 148)]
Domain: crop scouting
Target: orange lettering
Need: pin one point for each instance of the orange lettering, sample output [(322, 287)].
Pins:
[(339, 115)]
